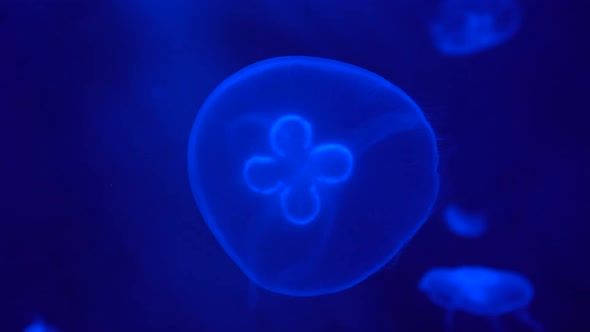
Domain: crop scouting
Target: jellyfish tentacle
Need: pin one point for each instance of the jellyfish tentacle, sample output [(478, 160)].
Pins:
[(449, 318), (300, 205), (525, 317), (332, 163), (262, 175), (290, 135), (496, 324)]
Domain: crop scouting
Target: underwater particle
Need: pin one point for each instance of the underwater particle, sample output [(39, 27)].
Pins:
[(297, 162), (480, 291), (464, 27), (38, 325), (463, 223)]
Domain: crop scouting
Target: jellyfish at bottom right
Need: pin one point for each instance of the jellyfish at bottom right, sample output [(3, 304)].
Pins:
[(465, 27), (480, 291)]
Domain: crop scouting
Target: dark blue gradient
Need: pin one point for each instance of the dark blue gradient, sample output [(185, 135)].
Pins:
[(99, 230)]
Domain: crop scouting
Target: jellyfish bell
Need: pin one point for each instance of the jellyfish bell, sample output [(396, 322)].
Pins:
[(480, 291), (311, 173)]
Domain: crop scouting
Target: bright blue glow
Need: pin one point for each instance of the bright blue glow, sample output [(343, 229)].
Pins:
[(478, 290), (464, 27), (463, 223), (297, 163)]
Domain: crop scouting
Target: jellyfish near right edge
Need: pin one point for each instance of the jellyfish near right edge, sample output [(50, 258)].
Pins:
[(464, 27), (311, 173)]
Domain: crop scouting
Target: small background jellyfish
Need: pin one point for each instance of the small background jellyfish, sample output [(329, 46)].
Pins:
[(464, 27), (464, 223), (311, 173), (480, 291)]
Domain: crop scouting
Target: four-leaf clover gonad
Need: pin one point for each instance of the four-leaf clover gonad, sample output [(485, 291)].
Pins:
[(296, 169)]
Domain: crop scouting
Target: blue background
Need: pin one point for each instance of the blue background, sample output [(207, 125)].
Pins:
[(99, 230)]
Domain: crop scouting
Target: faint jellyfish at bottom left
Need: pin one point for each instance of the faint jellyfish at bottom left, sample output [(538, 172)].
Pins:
[(480, 291), (39, 325)]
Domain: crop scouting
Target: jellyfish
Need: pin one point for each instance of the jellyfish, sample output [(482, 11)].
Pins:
[(38, 325), (311, 173), (463, 223), (480, 291), (464, 27)]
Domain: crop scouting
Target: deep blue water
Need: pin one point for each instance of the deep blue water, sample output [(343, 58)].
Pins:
[(99, 229)]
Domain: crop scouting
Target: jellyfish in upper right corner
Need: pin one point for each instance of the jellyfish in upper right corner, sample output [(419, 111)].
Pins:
[(480, 291), (311, 173), (464, 27), (465, 223)]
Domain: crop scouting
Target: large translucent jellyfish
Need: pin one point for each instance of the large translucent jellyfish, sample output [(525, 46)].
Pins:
[(465, 223), (464, 27), (311, 173), (480, 291)]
